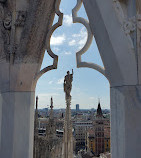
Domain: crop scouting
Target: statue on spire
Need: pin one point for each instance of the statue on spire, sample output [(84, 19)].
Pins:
[(36, 102), (51, 106), (67, 137), (68, 83)]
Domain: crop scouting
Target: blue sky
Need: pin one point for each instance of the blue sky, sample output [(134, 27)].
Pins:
[(88, 84)]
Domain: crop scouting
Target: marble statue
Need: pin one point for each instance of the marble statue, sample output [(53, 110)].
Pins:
[(67, 136), (68, 83)]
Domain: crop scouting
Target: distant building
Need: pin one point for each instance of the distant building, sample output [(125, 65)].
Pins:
[(99, 132), (91, 140), (60, 124), (107, 142), (77, 107), (80, 130), (59, 133), (98, 138), (43, 112)]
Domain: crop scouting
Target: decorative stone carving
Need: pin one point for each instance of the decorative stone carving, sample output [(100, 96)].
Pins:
[(6, 37), (1, 12), (21, 18), (7, 21), (1, 31), (6, 31), (83, 21), (48, 38), (130, 25)]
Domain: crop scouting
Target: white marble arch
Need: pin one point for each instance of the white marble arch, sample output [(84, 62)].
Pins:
[(17, 95), (115, 33), (83, 21)]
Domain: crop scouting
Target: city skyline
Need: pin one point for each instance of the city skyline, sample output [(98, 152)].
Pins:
[(88, 85)]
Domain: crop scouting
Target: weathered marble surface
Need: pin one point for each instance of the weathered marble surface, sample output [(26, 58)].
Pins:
[(139, 6), (3, 1), (17, 124), (24, 25), (125, 121), (113, 24), (118, 57)]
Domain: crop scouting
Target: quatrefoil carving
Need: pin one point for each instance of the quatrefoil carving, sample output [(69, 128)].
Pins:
[(79, 54), (50, 52)]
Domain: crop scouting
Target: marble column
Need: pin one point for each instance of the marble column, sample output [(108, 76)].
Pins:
[(17, 124), (125, 121), (116, 29), (25, 31)]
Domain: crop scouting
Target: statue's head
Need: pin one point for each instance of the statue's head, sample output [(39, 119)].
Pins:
[(68, 72)]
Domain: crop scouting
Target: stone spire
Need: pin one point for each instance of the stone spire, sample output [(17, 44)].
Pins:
[(51, 109), (51, 128), (99, 110), (35, 152), (36, 102), (68, 138), (36, 118)]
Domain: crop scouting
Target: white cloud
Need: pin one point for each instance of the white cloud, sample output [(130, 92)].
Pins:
[(68, 20), (60, 81), (57, 40), (83, 35), (44, 98), (56, 49), (72, 42), (92, 98), (59, 88), (62, 10), (47, 94), (67, 53), (79, 39), (50, 82)]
